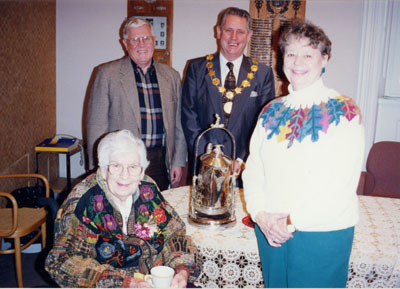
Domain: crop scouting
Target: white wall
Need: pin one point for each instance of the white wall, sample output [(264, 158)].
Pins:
[(388, 120), (194, 23), (87, 35), (342, 22)]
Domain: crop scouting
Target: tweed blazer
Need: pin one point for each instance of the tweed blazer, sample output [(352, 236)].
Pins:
[(114, 105)]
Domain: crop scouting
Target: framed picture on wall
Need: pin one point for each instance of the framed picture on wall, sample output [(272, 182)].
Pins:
[(160, 30)]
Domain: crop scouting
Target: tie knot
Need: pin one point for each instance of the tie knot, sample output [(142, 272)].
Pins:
[(230, 80), (230, 65)]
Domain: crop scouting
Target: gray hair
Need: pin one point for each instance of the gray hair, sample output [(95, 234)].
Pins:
[(135, 21), (123, 141), (234, 11)]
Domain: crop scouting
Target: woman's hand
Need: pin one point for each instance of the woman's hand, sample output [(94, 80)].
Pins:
[(274, 227), (139, 283), (181, 277)]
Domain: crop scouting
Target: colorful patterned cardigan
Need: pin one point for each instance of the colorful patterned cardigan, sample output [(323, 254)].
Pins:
[(90, 249)]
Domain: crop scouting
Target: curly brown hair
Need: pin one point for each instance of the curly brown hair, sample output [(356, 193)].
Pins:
[(300, 29)]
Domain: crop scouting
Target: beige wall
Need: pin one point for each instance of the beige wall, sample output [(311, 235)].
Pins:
[(28, 80)]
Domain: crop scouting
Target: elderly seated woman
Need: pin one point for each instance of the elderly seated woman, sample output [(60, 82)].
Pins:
[(115, 225)]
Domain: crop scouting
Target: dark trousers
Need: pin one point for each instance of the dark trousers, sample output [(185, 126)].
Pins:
[(157, 169)]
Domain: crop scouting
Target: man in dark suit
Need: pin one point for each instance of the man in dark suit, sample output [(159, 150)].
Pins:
[(229, 84), (143, 96)]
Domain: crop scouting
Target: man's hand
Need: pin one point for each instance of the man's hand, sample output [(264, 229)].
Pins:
[(176, 174), (237, 167)]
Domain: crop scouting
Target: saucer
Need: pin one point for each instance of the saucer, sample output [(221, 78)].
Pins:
[(248, 222)]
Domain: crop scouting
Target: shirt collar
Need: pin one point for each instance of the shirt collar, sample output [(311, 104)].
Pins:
[(137, 67), (236, 63)]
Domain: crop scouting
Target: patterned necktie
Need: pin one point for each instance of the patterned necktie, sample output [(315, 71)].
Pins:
[(230, 80), (230, 85)]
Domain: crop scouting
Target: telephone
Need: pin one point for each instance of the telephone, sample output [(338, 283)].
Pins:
[(74, 142), (57, 137)]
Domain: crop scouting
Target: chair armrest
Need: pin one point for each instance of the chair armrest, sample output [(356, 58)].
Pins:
[(361, 184), (36, 176), (14, 215), (366, 183)]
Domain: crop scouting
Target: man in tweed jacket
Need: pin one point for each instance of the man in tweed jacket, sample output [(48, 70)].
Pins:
[(143, 96)]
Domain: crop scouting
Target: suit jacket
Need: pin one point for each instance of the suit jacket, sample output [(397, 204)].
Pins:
[(201, 100), (114, 105)]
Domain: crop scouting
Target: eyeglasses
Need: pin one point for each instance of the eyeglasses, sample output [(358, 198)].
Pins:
[(117, 169), (136, 40)]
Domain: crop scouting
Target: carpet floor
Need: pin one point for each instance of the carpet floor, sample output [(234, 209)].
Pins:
[(33, 273)]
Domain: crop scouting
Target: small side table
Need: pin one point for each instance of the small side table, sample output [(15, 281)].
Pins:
[(59, 187)]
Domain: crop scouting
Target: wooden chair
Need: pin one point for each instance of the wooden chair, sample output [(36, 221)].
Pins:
[(18, 222), (382, 175)]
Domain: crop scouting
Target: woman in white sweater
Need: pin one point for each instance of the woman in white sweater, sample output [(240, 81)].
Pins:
[(306, 155)]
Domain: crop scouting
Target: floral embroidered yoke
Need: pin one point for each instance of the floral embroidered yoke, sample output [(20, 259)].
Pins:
[(91, 250), (289, 123)]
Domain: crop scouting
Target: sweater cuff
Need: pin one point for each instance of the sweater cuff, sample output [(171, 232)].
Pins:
[(254, 214)]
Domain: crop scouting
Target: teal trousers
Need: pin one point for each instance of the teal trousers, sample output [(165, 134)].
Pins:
[(308, 260)]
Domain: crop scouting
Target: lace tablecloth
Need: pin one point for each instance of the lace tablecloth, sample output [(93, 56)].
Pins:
[(230, 255)]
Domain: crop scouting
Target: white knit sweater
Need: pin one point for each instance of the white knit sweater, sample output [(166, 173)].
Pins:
[(306, 156)]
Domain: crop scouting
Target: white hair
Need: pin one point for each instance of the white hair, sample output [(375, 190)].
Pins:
[(123, 141), (135, 22)]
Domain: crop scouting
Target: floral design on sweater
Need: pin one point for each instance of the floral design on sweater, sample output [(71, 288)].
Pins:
[(151, 218), (292, 124)]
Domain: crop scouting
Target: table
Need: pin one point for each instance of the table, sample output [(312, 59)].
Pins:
[(230, 256), (59, 186)]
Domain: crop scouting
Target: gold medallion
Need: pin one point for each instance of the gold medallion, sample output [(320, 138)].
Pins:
[(230, 94), (238, 90), (228, 107), (215, 81)]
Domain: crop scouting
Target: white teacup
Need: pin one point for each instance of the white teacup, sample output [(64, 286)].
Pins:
[(161, 276)]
